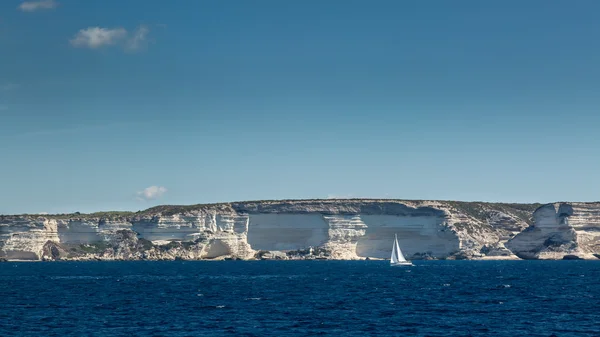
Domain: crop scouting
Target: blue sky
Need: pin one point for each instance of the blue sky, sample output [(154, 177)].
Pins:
[(122, 105)]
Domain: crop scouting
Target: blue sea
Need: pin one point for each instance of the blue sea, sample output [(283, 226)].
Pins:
[(300, 298)]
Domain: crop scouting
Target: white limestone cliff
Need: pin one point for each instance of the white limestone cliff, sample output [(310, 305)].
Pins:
[(560, 229), (24, 239), (290, 229)]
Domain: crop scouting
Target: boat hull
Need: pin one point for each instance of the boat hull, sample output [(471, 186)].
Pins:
[(402, 264)]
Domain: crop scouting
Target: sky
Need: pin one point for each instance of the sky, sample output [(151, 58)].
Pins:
[(123, 105)]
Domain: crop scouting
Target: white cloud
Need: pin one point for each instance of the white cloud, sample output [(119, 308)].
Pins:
[(138, 39), (97, 37), (151, 193), (32, 6)]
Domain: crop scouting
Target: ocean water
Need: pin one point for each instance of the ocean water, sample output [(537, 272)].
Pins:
[(300, 298)]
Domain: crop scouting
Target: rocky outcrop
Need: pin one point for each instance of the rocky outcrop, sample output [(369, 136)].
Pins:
[(24, 238), (559, 230), (309, 229)]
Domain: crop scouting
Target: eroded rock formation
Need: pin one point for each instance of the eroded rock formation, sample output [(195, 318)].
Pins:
[(309, 229), (559, 230)]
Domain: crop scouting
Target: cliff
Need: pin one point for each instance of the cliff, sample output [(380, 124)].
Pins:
[(309, 229), (559, 230)]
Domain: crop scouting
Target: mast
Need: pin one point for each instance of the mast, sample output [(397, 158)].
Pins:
[(394, 258)]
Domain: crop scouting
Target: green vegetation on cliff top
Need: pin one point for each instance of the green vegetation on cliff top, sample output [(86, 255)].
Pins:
[(481, 210), (478, 210)]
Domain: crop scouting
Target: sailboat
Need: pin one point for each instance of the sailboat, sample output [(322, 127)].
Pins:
[(397, 257)]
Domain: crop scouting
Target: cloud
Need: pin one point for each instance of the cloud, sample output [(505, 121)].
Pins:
[(138, 40), (98, 37), (151, 193), (32, 6)]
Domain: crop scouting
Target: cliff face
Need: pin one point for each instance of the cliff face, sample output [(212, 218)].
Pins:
[(560, 229), (308, 229)]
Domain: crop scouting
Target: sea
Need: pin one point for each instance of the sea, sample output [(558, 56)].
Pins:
[(300, 298)]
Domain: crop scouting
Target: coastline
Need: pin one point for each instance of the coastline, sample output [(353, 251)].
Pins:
[(224, 259), (341, 229)]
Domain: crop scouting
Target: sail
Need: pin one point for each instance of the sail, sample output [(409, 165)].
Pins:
[(399, 254), (394, 258)]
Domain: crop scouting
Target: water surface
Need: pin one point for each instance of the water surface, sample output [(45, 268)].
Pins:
[(297, 298)]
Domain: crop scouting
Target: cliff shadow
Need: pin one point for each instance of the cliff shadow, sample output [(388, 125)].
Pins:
[(416, 235), (286, 231)]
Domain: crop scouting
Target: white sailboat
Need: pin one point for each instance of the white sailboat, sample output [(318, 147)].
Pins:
[(397, 256)]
